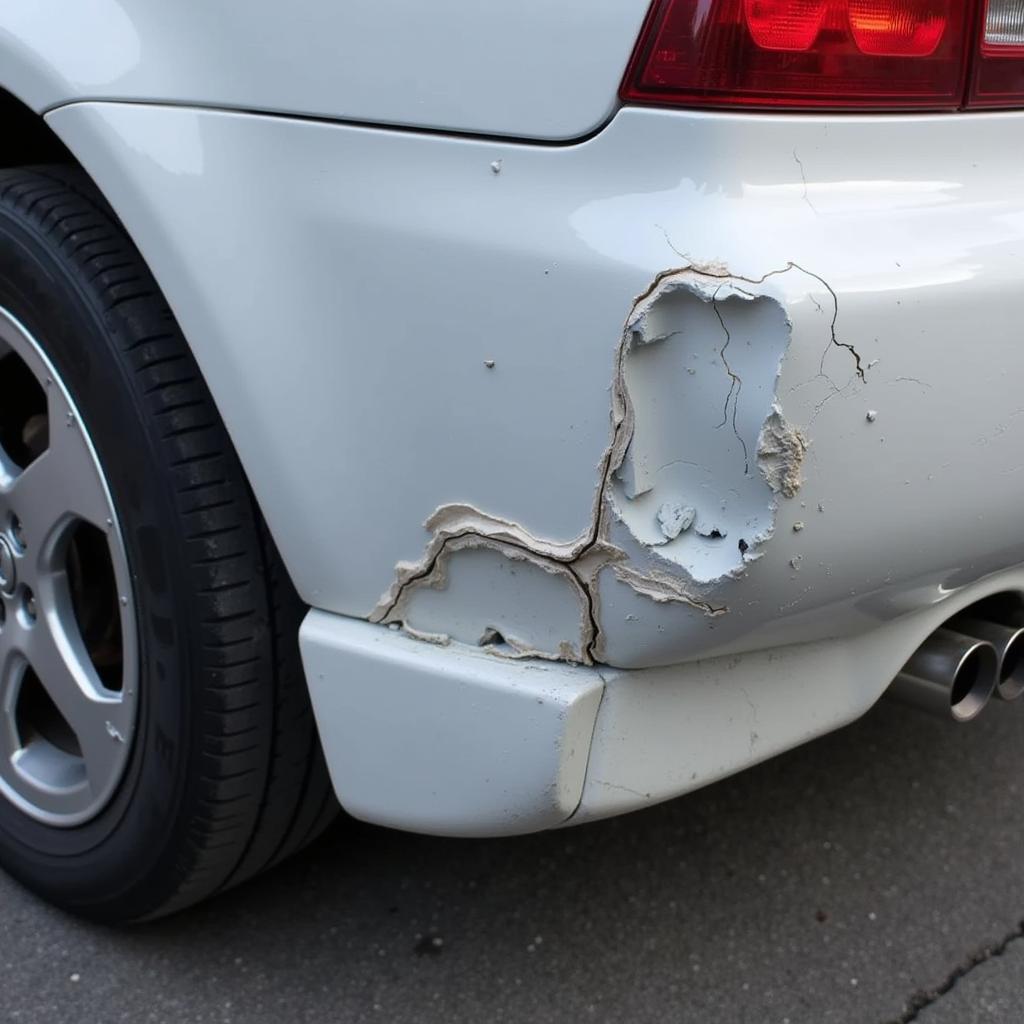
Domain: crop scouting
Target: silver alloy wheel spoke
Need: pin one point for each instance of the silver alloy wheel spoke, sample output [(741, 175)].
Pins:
[(11, 673), (68, 693), (55, 488), (22, 764), (68, 677)]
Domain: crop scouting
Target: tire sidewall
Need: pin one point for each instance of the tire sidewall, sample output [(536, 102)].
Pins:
[(88, 347)]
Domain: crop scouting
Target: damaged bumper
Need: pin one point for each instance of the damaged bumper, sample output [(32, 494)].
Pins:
[(696, 392), (455, 741), (700, 385)]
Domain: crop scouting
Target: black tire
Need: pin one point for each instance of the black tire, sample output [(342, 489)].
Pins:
[(226, 776)]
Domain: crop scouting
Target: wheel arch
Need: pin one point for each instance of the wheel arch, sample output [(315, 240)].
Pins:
[(28, 139)]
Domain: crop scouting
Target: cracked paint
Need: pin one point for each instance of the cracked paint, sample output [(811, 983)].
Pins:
[(549, 600), (687, 490), (692, 438)]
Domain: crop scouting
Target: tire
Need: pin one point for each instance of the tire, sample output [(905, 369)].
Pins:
[(215, 771)]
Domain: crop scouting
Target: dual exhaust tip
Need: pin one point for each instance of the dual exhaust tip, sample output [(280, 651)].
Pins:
[(961, 666)]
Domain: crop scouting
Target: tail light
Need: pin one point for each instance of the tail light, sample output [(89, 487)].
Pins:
[(830, 54), (999, 71)]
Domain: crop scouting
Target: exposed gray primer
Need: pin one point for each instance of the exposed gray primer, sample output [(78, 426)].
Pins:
[(693, 471), (552, 599)]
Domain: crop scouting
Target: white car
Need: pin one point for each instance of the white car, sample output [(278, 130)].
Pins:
[(497, 415)]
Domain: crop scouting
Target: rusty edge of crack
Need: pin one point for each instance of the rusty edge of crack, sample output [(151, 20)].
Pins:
[(460, 526)]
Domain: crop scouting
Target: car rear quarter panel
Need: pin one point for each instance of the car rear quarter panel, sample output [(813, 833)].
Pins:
[(532, 68), (347, 291)]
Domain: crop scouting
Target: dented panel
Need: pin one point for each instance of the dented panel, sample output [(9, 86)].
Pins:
[(492, 594), (686, 493), (482, 337), (696, 387)]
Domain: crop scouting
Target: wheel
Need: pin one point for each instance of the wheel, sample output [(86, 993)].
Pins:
[(156, 738)]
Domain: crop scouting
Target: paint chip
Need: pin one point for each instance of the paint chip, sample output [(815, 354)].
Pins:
[(675, 518)]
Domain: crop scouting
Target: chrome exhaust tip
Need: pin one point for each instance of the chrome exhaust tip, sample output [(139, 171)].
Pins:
[(950, 675), (1009, 644)]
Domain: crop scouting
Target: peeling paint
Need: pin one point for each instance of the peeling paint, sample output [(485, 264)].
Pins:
[(675, 518), (693, 474), (781, 450), (544, 601), (662, 588), (693, 440), (437, 639)]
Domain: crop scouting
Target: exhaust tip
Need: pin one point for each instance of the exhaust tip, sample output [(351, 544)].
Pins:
[(1009, 644), (951, 674), (1011, 671), (973, 681)]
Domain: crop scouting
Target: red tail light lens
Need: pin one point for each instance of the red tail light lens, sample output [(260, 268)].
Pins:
[(785, 24), (833, 54)]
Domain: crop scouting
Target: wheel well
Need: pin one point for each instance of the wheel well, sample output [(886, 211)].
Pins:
[(27, 138)]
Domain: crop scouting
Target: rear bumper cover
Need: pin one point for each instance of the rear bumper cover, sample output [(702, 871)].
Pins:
[(455, 741)]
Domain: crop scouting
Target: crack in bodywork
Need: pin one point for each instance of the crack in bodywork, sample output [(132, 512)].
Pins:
[(678, 569), (735, 383)]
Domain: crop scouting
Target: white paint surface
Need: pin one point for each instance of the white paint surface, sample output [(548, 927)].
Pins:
[(454, 741), (358, 281), (447, 740), (530, 68)]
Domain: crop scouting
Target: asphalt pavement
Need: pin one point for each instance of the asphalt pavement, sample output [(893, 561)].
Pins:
[(874, 876)]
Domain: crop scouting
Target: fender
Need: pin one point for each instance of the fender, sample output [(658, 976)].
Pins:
[(366, 61)]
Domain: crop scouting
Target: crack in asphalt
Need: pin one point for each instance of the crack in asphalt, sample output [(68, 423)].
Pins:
[(921, 1000)]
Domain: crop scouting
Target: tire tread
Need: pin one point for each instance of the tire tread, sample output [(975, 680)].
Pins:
[(264, 799)]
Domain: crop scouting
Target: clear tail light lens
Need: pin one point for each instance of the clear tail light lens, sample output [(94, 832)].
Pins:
[(1004, 27), (798, 54), (999, 69)]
